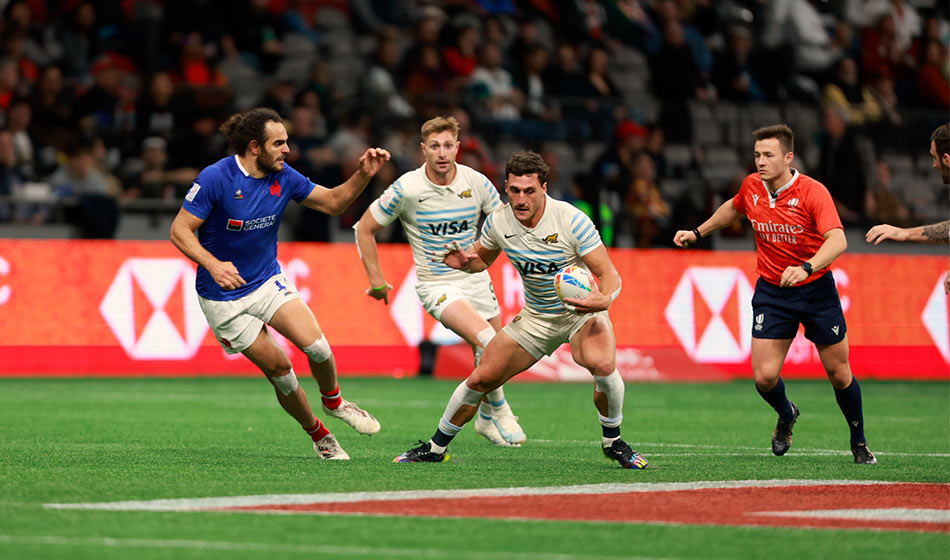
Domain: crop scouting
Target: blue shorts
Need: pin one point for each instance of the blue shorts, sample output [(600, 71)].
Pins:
[(777, 311)]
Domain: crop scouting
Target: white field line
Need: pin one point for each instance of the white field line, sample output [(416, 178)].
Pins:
[(358, 551), (798, 450), (919, 515), (202, 504)]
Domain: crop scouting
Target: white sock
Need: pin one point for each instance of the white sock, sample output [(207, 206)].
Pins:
[(498, 403), (461, 396), (435, 448), (608, 441), (612, 386)]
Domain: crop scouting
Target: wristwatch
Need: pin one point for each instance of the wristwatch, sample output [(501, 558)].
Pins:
[(807, 267)]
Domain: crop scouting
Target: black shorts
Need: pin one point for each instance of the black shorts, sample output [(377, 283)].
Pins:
[(777, 311)]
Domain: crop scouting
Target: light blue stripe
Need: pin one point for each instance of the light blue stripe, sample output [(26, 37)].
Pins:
[(583, 231), (530, 253), (444, 219), (447, 211)]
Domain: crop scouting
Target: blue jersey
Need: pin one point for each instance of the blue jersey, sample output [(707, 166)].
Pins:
[(241, 217)]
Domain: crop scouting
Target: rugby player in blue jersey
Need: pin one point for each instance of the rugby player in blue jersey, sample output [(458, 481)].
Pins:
[(228, 225)]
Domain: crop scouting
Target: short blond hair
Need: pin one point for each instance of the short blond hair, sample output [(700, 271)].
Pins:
[(440, 124)]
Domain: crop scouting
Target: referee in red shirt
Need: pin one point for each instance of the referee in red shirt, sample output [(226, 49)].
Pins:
[(798, 234)]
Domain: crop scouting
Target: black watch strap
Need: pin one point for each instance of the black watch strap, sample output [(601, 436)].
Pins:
[(807, 267)]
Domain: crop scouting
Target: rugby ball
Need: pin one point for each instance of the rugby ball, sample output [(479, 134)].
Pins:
[(573, 282)]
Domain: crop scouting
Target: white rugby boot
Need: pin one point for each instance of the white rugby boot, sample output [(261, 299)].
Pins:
[(361, 421)]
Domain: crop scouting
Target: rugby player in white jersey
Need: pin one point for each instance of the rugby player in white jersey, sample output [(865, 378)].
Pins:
[(541, 236), (440, 203)]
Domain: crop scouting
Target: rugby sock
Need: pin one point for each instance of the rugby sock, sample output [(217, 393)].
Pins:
[(498, 403), (777, 400), (332, 399), (849, 401), (318, 431), (612, 386), (443, 436)]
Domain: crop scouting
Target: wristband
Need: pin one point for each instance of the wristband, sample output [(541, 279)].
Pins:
[(379, 289), (697, 234)]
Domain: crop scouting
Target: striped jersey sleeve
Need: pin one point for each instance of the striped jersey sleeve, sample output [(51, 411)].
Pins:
[(585, 234), (387, 207), (488, 237)]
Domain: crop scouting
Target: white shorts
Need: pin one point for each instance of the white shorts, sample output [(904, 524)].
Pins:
[(542, 334), (237, 323), (477, 289)]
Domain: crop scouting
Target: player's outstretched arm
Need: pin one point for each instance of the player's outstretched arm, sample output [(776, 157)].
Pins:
[(933, 233), (476, 260), (722, 217), (602, 295), (183, 236), (366, 230), (334, 201)]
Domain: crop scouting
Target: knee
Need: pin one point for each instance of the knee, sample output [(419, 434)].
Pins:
[(765, 378), (602, 368), (477, 381), (840, 376), (279, 368)]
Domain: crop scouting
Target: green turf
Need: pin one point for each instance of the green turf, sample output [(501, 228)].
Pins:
[(84, 440)]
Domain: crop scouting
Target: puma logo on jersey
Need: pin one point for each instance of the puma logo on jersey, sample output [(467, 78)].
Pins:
[(552, 239), (467, 193), (448, 228)]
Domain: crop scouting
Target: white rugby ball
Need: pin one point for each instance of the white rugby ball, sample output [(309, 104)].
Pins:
[(573, 282)]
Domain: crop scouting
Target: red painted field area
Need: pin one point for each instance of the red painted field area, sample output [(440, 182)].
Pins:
[(893, 507)]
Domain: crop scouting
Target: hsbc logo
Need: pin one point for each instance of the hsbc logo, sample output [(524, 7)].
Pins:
[(152, 309), (711, 315), (935, 319)]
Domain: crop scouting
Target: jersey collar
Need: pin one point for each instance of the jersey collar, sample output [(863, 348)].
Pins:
[(773, 198), (441, 189), (241, 167)]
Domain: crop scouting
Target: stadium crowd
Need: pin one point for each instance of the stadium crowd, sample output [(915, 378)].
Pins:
[(643, 108)]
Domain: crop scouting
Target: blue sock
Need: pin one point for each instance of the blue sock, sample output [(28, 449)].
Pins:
[(777, 400), (849, 401)]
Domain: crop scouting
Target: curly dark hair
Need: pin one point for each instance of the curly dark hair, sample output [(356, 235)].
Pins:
[(525, 163), (241, 128), (941, 139)]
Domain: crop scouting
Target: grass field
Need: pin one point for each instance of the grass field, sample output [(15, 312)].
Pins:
[(102, 440)]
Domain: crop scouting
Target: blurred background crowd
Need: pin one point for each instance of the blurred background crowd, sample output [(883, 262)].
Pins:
[(643, 108)]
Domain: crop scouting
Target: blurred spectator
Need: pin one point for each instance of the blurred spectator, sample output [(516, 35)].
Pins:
[(18, 123), (461, 56), (567, 81), (734, 69), (257, 32), (613, 171), (149, 176), (427, 81), (602, 96), (10, 176), (628, 21), (79, 38), (882, 204), (381, 88), (494, 87), (676, 79), (106, 109), (906, 20), (880, 50), (97, 213), (797, 24), (52, 109), (159, 111), (9, 80), (933, 75), (472, 151), (650, 213), (845, 91), (842, 166)]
